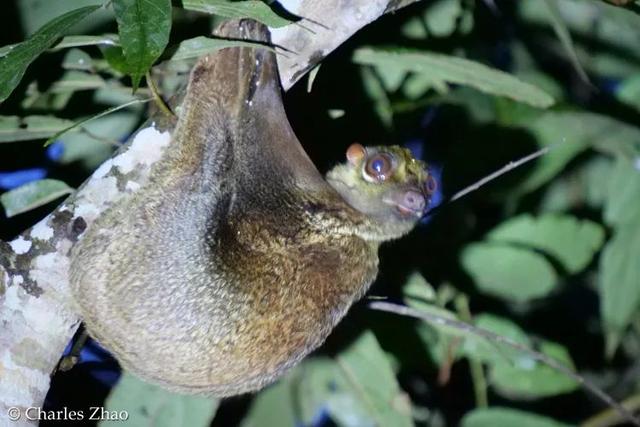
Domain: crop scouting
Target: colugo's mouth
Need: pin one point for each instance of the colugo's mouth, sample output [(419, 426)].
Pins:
[(409, 212)]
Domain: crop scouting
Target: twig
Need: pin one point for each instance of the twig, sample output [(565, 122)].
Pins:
[(506, 168), (57, 135), (610, 417), (99, 138), (493, 337), (564, 36)]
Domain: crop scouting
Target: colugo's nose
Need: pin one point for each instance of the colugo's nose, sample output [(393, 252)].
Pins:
[(414, 200)]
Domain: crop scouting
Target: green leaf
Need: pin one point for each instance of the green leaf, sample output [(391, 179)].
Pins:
[(392, 78), (629, 91), (527, 379), (33, 195), (115, 58), (443, 69), (343, 388), (238, 9), (564, 36), (74, 41), (616, 26), (36, 13), (481, 108), (570, 241), (483, 350), (144, 27), (273, 407), (436, 342), (505, 417), (441, 312), (6, 49), (198, 46), (52, 101), (379, 394), (620, 282), (14, 64), (77, 59), (623, 198), (513, 373), (417, 85), (316, 387), (152, 406), (378, 95), (508, 272), (584, 186), (60, 92), (441, 17), (419, 294), (13, 128), (553, 129), (80, 41), (73, 80), (435, 337), (572, 132), (415, 28), (346, 410), (417, 288), (116, 94), (90, 150)]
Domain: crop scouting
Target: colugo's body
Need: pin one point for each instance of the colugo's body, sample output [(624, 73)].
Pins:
[(237, 258)]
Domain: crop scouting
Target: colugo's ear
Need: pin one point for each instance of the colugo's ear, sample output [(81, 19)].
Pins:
[(355, 153)]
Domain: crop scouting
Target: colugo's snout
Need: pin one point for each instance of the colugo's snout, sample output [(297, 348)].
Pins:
[(414, 201)]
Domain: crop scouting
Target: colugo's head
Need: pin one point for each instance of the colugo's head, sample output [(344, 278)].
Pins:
[(386, 183)]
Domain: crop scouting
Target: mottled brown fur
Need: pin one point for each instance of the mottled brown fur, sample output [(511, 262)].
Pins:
[(237, 258)]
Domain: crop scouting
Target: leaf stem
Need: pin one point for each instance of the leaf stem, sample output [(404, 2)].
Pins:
[(477, 371), (157, 98), (97, 116)]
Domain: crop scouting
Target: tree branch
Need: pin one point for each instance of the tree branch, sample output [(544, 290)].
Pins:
[(325, 26)]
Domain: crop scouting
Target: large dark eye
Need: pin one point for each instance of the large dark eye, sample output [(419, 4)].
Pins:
[(379, 167)]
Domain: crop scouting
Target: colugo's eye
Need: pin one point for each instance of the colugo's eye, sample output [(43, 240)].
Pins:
[(379, 166)]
